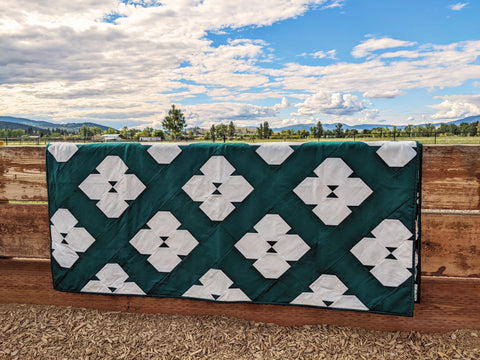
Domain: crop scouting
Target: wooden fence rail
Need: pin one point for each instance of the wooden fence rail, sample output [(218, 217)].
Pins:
[(450, 251)]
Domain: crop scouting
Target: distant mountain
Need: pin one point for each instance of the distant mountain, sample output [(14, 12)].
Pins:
[(15, 126), (21, 123), (360, 127)]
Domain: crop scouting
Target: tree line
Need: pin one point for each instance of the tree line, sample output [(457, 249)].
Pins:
[(174, 125)]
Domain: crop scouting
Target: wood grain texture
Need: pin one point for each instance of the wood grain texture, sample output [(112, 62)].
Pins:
[(446, 304), (24, 231), (451, 177), (450, 243), (22, 173)]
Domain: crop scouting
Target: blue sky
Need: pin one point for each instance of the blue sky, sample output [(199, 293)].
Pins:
[(123, 63)]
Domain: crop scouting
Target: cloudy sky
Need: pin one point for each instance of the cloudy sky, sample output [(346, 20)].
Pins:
[(125, 62)]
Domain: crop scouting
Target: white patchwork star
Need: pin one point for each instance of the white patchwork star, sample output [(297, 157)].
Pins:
[(217, 188), (112, 187)]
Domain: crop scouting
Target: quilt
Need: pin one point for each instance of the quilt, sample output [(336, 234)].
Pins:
[(323, 224)]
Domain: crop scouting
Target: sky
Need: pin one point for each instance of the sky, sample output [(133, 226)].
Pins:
[(124, 63)]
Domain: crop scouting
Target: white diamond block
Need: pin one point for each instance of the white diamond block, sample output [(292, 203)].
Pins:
[(95, 186), (164, 242), (63, 220), (370, 251), (397, 153), (129, 187), (217, 208), (329, 288), (274, 153), (217, 201), (216, 286), (68, 240), (112, 205), (112, 168), (312, 191), (332, 211), (199, 188), (271, 266), (235, 188), (112, 197), (164, 260), (217, 169), (391, 234), (164, 223), (164, 153), (287, 247), (290, 247), (252, 246), (111, 279), (391, 273), (333, 191), (62, 152)]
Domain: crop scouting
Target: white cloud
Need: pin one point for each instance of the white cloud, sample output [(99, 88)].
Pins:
[(386, 94), (371, 45), (458, 6), (331, 104), (457, 106), (324, 54), (283, 105), (63, 60)]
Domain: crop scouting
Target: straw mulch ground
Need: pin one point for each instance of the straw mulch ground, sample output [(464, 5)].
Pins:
[(51, 332)]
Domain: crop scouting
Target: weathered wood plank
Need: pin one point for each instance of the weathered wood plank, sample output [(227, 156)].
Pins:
[(451, 177), (450, 242), (451, 245), (446, 304), (22, 173), (24, 231)]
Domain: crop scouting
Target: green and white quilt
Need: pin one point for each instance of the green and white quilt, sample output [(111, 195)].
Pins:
[(332, 225)]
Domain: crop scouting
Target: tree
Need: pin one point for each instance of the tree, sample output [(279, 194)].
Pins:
[(212, 132), (174, 122), (260, 131), (221, 130), (84, 131), (319, 129), (338, 130), (231, 129)]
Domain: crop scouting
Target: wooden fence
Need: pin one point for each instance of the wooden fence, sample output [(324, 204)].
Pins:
[(450, 252)]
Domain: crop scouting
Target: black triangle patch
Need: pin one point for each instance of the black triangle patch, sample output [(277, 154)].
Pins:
[(217, 184), (391, 249), (215, 296), (369, 267), (332, 187), (112, 289), (271, 242), (391, 256), (332, 195), (216, 192), (64, 235), (112, 190), (271, 251), (164, 245), (328, 303), (164, 238), (113, 183), (64, 242)]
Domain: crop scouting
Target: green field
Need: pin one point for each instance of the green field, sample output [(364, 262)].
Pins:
[(439, 140)]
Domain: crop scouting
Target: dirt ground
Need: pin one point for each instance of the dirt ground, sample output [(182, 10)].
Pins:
[(52, 332)]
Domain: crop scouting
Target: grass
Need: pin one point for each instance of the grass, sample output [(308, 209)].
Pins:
[(443, 140)]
